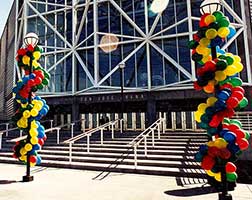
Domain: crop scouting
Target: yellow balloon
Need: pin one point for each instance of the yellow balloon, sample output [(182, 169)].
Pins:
[(204, 42), (210, 19), (36, 55), (220, 143), (211, 101), (33, 132), (202, 107), (34, 112), (23, 151), (218, 177), (211, 33), (209, 88), (26, 114), (239, 66), (26, 60), (34, 140), (35, 63), (23, 158), (28, 147), (32, 164), (210, 144), (206, 58), (197, 116), (223, 32), (230, 70), (220, 76), (236, 58), (210, 173)]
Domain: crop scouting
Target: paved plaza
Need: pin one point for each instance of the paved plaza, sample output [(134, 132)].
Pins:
[(67, 184)]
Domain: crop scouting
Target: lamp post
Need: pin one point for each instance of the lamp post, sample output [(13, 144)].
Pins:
[(122, 66), (210, 6), (29, 39)]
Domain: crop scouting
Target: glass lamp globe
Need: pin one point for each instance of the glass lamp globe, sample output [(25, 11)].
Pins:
[(31, 39), (210, 6)]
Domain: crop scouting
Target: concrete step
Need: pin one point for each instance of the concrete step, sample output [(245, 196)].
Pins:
[(167, 171)]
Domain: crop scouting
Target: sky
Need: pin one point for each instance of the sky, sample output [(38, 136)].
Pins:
[(5, 7)]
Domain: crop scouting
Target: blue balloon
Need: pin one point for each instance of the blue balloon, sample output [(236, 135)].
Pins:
[(229, 137), (32, 76), (223, 95), (36, 147), (198, 157), (220, 51), (232, 32), (38, 160)]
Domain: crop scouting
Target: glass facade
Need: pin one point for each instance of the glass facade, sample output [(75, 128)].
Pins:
[(153, 47)]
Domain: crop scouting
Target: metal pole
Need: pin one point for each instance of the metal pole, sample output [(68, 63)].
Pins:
[(152, 131), (7, 128), (135, 155), (145, 146), (70, 152), (28, 176), (122, 96), (101, 136), (72, 126), (158, 128), (51, 123), (88, 143), (0, 140), (112, 130), (57, 136)]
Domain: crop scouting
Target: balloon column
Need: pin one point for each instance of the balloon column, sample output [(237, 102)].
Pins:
[(31, 108), (218, 75)]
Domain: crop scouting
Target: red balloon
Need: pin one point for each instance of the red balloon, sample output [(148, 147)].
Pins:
[(239, 133), (216, 120), (230, 167), (202, 20), (243, 143), (21, 52), (232, 102), (227, 85), (240, 89), (41, 142), (38, 81), (196, 86), (237, 94), (31, 82), (33, 159), (210, 66), (213, 151), (208, 162), (30, 48), (224, 153), (196, 37)]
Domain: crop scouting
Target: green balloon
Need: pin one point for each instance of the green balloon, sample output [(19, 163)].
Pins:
[(229, 60), (236, 122), (192, 44), (243, 103), (236, 82), (226, 121), (45, 81), (221, 65), (223, 22), (40, 86), (231, 177), (218, 15), (47, 75), (197, 57), (247, 135)]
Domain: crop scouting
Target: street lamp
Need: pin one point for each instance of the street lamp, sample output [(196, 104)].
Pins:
[(30, 39), (210, 6), (122, 66)]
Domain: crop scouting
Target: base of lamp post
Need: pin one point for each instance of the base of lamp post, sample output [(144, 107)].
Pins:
[(27, 178), (225, 196)]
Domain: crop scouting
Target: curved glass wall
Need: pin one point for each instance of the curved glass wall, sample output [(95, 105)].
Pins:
[(75, 36)]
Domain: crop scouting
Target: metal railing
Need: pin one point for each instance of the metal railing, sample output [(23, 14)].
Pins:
[(157, 125), (89, 133)]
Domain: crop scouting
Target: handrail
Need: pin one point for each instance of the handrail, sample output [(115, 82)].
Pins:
[(89, 133), (143, 136)]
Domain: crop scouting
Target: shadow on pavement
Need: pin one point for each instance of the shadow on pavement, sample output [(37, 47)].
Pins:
[(3, 182), (191, 191)]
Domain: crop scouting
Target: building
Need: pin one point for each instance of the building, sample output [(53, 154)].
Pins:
[(85, 73)]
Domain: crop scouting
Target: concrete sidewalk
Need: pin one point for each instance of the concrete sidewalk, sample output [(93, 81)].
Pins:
[(67, 184)]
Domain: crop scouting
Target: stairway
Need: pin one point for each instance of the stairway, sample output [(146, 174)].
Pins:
[(172, 155)]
